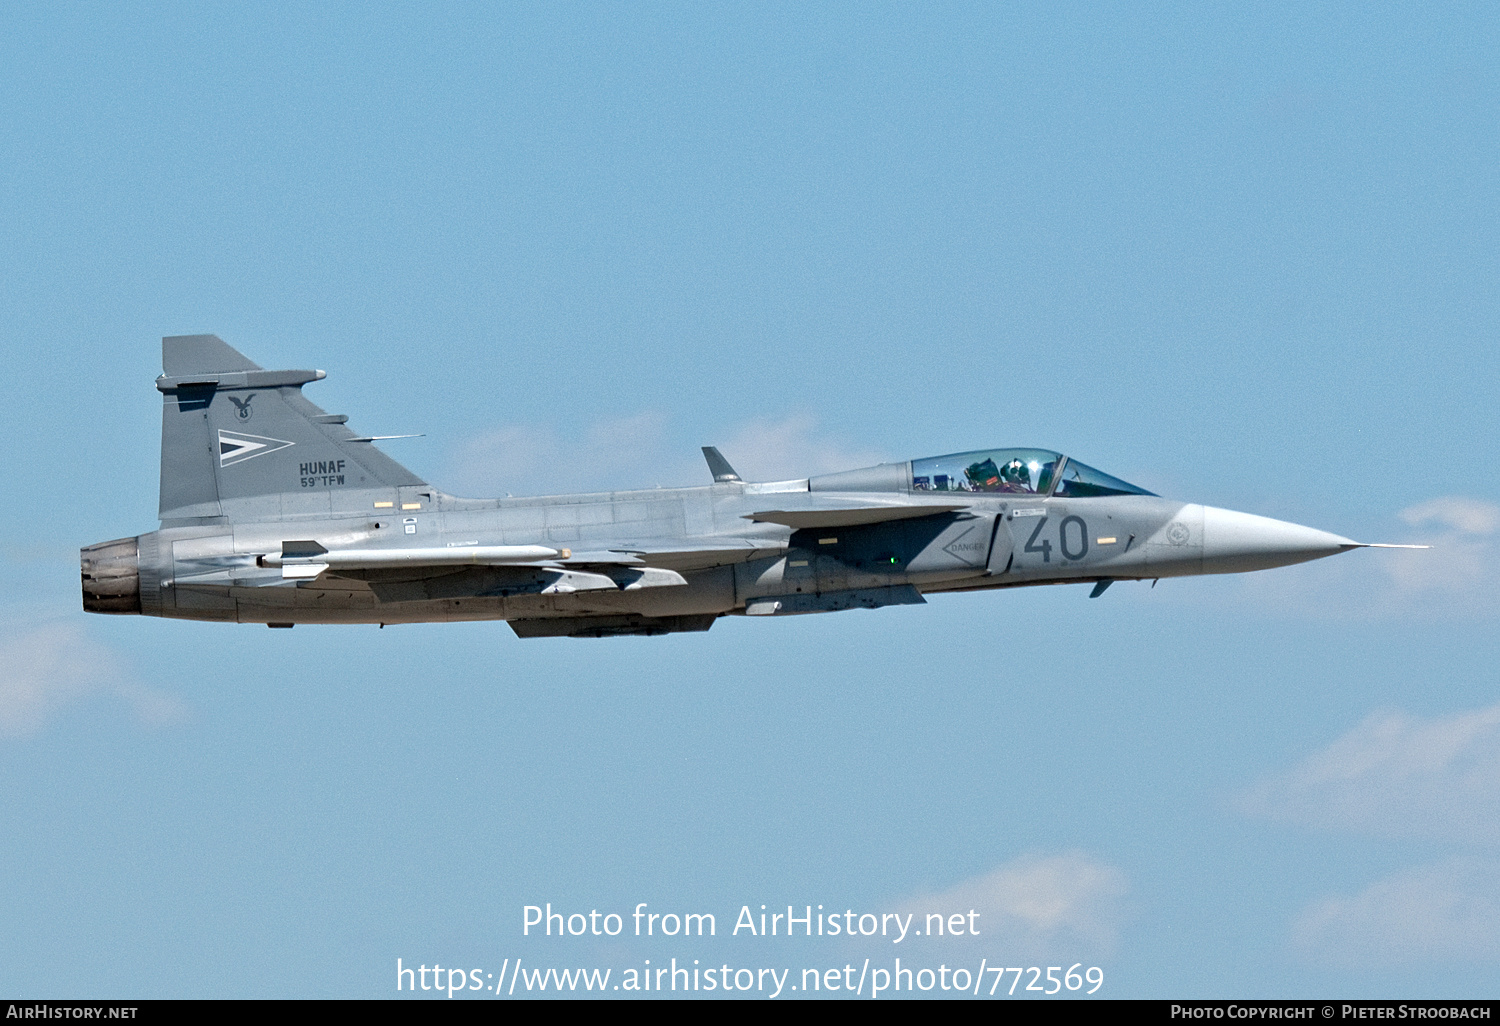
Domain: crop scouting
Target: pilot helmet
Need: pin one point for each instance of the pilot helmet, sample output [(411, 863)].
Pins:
[(1015, 472)]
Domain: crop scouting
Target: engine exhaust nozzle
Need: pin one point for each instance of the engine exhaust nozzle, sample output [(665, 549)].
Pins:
[(111, 576)]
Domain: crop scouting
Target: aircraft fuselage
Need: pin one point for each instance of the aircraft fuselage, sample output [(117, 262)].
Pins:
[(274, 512)]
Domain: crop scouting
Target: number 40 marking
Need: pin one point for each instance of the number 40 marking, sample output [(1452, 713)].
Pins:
[(1045, 548)]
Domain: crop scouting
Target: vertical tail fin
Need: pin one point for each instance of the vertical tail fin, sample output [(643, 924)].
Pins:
[(242, 442)]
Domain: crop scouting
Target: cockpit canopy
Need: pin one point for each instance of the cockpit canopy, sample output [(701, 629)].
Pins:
[(1018, 472)]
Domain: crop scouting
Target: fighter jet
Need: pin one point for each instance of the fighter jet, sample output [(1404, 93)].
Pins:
[(275, 512)]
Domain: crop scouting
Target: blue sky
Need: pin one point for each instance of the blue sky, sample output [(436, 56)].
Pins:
[(1241, 256)]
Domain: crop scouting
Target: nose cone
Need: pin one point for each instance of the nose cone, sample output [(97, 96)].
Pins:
[(1235, 542)]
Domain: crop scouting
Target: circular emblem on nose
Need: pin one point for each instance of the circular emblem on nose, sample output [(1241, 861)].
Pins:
[(1177, 534)]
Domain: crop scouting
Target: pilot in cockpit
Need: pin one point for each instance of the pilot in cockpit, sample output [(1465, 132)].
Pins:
[(1015, 477)]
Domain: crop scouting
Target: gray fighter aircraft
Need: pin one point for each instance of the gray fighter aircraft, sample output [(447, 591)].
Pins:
[(275, 512)]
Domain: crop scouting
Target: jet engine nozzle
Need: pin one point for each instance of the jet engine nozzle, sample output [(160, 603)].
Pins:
[(111, 576)]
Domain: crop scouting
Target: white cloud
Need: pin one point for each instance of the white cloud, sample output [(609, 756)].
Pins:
[(1463, 558), (526, 460), (1398, 775), (636, 452), (1470, 516), (50, 667), (1448, 911), (1069, 903), (792, 447), (499, 459)]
